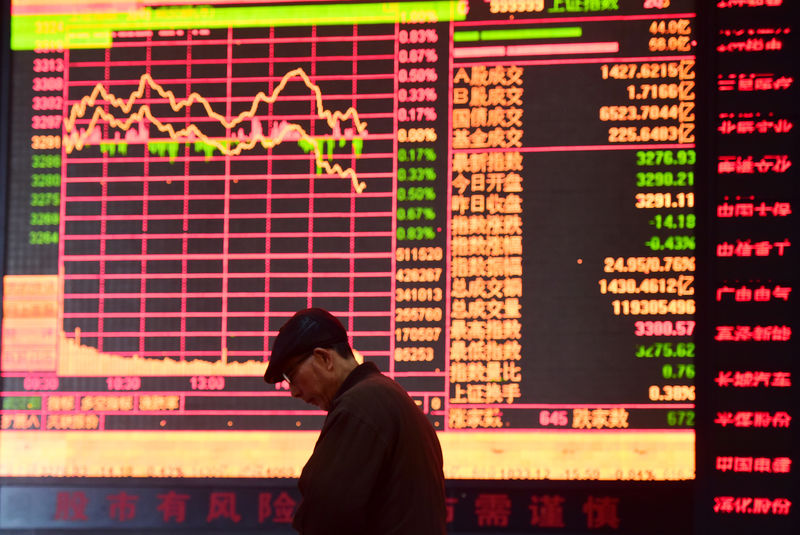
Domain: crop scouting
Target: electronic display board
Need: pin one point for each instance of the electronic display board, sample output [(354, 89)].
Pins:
[(499, 199)]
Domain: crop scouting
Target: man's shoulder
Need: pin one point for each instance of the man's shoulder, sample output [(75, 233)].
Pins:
[(376, 394), (374, 384)]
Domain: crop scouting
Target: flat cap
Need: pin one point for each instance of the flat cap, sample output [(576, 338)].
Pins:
[(307, 329)]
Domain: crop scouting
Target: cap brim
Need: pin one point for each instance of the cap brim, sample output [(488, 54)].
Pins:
[(302, 333)]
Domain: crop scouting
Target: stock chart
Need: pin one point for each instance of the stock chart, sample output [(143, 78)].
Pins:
[(499, 199)]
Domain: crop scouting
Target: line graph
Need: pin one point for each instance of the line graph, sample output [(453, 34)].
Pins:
[(76, 138), (202, 201)]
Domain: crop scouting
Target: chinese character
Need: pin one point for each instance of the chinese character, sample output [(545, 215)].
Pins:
[(223, 505), (123, 506), (71, 506), (546, 511), (284, 508), (493, 509), (173, 505), (601, 511)]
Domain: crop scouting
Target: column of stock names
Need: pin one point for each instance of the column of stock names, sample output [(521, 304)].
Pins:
[(749, 448)]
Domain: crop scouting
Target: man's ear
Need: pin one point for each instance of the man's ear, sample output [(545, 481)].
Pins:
[(325, 356)]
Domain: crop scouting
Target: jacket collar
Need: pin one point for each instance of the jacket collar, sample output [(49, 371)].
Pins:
[(359, 373)]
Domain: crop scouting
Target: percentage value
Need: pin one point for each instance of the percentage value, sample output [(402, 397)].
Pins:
[(415, 213), (416, 135), (416, 114), (417, 55), (423, 154), (416, 194), (417, 75), (416, 94), (415, 174), (671, 243), (416, 233), (671, 393), (425, 35)]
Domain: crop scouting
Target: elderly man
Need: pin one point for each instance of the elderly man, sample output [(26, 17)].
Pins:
[(377, 464)]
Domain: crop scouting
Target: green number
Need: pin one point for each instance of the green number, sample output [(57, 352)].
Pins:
[(680, 418), (42, 237), (45, 180), (45, 161), (44, 218)]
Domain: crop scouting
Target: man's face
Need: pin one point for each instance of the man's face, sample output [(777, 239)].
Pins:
[(310, 378)]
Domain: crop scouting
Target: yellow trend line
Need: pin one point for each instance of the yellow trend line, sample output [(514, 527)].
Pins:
[(100, 93), (78, 110)]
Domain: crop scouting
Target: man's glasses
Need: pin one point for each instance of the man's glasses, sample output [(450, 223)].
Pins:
[(289, 375)]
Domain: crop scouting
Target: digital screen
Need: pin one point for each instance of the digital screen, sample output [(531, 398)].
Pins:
[(496, 198), (565, 227)]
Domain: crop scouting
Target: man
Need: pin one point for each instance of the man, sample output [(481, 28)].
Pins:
[(377, 464)]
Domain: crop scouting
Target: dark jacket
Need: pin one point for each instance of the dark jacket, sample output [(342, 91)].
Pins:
[(376, 467)]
